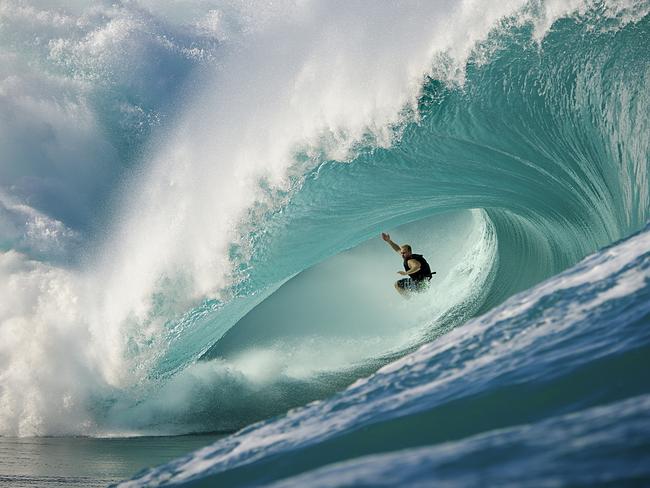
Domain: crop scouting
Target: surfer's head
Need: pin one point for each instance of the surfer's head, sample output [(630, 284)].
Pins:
[(405, 251)]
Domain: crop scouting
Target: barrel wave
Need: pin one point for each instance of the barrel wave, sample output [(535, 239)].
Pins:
[(191, 207)]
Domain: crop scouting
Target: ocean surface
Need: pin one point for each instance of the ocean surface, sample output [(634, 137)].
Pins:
[(191, 198), (74, 462)]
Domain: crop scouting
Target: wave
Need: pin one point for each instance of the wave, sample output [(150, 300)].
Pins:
[(558, 365), (192, 171)]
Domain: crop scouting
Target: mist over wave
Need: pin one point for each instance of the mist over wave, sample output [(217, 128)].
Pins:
[(168, 169)]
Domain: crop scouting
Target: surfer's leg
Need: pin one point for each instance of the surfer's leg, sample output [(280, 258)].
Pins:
[(402, 287)]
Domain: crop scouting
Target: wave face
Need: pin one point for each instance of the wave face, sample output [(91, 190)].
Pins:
[(548, 388), (191, 194)]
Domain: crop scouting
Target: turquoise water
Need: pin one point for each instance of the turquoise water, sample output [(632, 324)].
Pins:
[(191, 198)]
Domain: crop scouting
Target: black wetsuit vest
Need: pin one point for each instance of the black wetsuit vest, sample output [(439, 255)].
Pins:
[(424, 273)]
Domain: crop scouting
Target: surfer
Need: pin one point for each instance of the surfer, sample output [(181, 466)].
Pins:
[(416, 269)]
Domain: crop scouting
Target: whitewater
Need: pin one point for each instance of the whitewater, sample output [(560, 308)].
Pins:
[(191, 197)]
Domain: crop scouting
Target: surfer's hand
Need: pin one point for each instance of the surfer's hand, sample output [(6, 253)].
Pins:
[(403, 273), (385, 236)]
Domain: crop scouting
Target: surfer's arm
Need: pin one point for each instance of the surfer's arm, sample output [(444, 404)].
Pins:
[(395, 247), (414, 267)]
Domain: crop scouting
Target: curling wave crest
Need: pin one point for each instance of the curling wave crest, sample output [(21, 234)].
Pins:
[(174, 177)]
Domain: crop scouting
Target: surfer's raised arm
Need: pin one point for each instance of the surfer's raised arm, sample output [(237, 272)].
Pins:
[(395, 247)]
